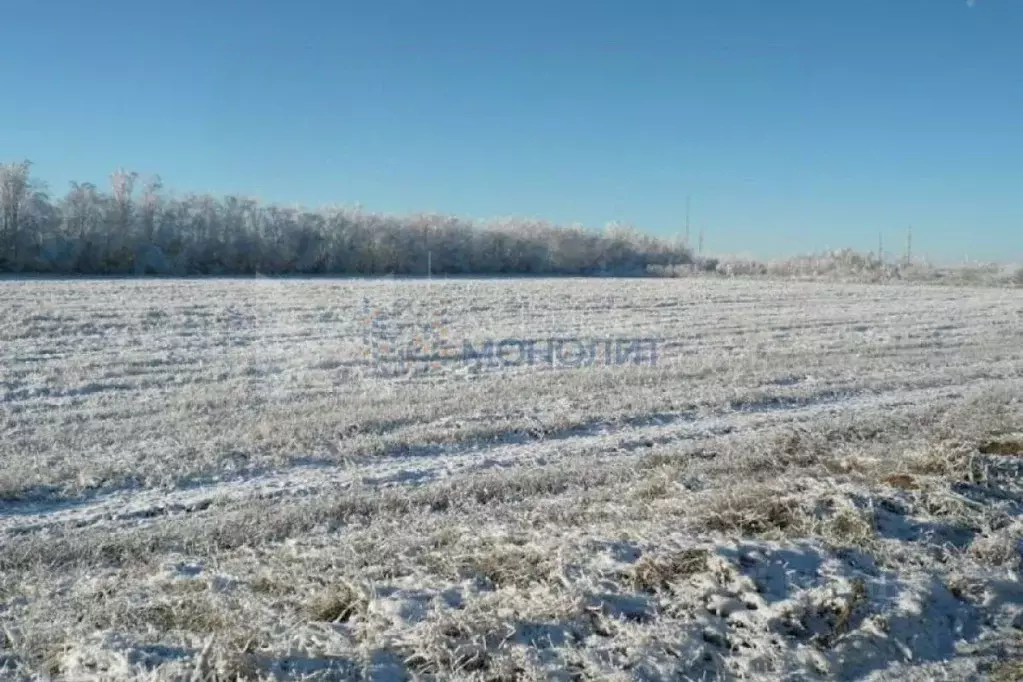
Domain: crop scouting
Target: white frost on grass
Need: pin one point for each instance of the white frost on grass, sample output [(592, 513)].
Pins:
[(207, 480)]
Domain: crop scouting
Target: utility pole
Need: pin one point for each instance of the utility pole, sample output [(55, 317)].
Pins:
[(700, 251), (687, 221), (429, 252), (880, 248), (909, 246)]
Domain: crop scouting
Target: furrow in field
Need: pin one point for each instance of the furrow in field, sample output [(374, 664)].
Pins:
[(419, 465)]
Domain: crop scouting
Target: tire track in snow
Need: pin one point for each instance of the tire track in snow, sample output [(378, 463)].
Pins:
[(133, 508)]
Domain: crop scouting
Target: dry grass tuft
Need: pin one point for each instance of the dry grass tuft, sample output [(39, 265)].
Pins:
[(338, 604), (271, 586), (653, 573), (902, 481), (185, 614), (455, 645), (849, 526), (511, 566), (1007, 671), (761, 511), (951, 461), (1003, 547), (1006, 448), (791, 448), (845, 610), (228, 661)]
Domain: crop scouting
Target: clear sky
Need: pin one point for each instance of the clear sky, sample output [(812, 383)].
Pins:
[(793, 124)]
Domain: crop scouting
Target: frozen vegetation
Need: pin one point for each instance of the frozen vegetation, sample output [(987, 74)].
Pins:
[(137, 227), (311, 479)]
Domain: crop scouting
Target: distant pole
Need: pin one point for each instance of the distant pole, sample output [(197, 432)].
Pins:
[(700, 251), (909, 245), (880, 248), (429, 265), (687, 221)]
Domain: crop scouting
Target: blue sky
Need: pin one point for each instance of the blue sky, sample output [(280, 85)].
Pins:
[(793, 124)]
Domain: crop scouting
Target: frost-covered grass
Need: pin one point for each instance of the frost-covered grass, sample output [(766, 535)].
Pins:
[(848, 265), (210, 478)]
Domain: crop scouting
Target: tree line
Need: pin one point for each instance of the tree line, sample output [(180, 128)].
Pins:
[(135, 228)]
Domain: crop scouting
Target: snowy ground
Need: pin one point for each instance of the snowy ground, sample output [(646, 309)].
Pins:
[(310, 479)]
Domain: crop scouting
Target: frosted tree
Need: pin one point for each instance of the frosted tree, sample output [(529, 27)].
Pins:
[(92, 232), (14, 193)]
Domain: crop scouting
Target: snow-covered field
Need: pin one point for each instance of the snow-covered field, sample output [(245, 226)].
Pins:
[(289, 479)]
